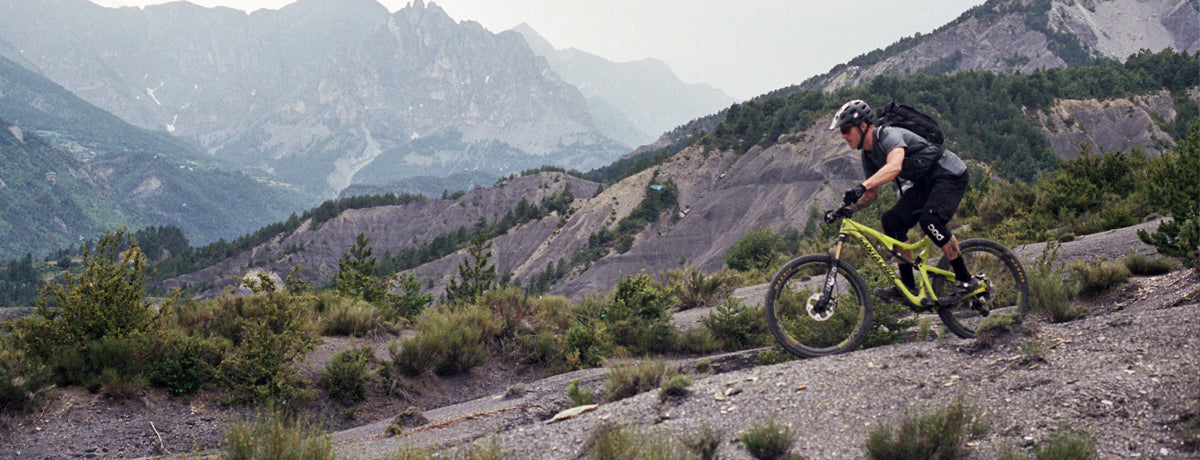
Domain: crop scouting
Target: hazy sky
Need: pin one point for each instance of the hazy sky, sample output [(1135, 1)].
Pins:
[(744, 47)]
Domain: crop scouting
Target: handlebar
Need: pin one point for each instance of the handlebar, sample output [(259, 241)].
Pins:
[(833, 215)]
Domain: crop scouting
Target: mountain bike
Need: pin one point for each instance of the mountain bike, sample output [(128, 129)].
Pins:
[(819, 304)]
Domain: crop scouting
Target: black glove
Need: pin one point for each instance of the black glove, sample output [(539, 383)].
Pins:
[(854, 194)]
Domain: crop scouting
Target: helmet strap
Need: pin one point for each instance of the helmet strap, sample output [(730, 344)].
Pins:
[(862, 138)]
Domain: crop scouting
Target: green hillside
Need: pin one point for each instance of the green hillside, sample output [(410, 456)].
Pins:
[(986, 116)]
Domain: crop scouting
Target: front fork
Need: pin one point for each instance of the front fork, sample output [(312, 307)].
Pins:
[(820, 309)]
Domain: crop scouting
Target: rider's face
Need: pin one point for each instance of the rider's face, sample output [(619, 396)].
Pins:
[(852, 134)]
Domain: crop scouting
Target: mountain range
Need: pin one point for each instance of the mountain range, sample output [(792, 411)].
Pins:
[(323, 94), (72, 171)]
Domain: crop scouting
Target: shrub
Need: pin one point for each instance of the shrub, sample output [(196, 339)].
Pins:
[(89, 323), (351, 316), (580, 396), (735, 325), (1172, 184), (185, 363), (347, 374), (1141, 265), (890, 324), (1093, 279), (674, 387), (1033, 350), (410, 302), (1067, 445), (18, 381), (704, 443), (940, 434), (1050, 294), (612, 441), (694, 289), (757, 249), (629, 379), (514, 309), (638, 315), (451, 341), (269, 334), (414, 356), (768, 441), (274, 436), (587, 343)]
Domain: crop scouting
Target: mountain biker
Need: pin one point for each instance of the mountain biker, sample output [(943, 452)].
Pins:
[(931, 180)]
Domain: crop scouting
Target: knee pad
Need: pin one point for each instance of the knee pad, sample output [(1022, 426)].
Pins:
[(935, 226), (894, 225)]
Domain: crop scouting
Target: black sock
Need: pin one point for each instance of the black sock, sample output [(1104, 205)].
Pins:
[(906, 276), (960, 270)]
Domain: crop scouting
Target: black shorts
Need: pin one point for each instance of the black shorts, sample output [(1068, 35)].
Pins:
[(938, 196)]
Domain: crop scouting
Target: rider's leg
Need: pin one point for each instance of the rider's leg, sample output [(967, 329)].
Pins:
[(896, 222), (944, 195)]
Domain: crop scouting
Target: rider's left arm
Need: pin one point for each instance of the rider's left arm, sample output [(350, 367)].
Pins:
[(889, 171)]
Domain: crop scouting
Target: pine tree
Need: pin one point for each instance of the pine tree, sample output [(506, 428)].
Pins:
[(476, 274), (356, 275), (1174, 183)]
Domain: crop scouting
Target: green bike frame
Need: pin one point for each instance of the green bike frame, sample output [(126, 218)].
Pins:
[(922, 251)]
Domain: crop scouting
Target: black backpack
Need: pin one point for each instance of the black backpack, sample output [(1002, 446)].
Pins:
[(906, 117)]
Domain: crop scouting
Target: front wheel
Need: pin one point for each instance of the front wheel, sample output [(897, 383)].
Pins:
[(806, 322), (1007, 288)]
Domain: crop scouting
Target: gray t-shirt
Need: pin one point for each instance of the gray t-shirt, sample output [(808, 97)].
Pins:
[(921, 158)]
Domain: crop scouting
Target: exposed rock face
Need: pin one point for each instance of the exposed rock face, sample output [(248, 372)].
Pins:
[(1115, 125), (321, 93), (1005, 36), (393, 228)]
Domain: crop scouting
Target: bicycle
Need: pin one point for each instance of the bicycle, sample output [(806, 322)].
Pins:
[(819, 305)]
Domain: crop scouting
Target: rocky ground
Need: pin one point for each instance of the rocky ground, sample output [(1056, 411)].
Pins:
[(1129, 374)]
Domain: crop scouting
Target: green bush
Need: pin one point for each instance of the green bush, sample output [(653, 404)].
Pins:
[(17, 381), (613, 441), (1141, 265), (1096, 279), (630, 379), (694, 289), (347, 375), (92, 328), (735, 325), (410, 302), (638, 315), (757, 249), (1065, 444), (674, 387), (270, 334), (276, 436), (768, 441), (1051, 295), (940, 434), (351, 316), (414, 356), (704, 443), (450, 340), (580, 396), (1172, 183), (185, 363)]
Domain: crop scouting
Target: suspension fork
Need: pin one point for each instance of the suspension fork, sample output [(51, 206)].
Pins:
[(831, 275)]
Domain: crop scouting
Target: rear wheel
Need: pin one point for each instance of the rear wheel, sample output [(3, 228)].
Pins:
[(1007, 288), (808, 325)]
